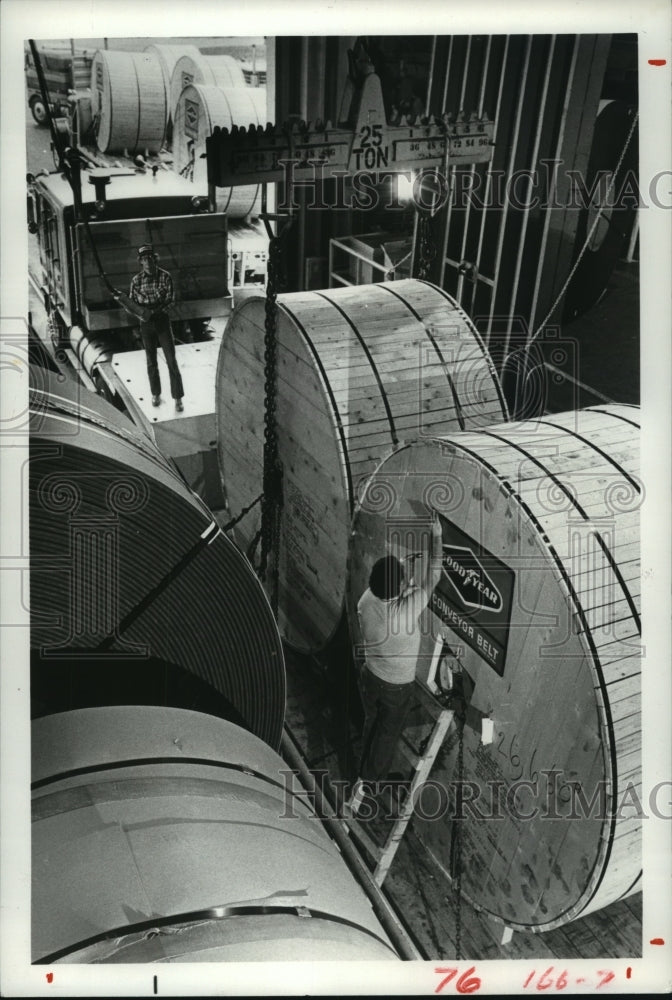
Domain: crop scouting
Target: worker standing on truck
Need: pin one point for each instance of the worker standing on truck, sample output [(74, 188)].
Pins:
[(152, 291), (389, 617)]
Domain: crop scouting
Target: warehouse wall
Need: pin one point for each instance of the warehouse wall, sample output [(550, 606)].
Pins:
[(543, 93), (505, 241)]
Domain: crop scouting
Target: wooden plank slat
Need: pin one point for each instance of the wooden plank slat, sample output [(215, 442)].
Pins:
[(358, 372)]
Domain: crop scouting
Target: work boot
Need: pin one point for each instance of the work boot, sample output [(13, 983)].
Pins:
[(179, 405), (156, 400)]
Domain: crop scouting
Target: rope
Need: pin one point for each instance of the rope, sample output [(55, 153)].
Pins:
[(246, 510), (525, 349), (589, 237), (252, 547), (101, 270)]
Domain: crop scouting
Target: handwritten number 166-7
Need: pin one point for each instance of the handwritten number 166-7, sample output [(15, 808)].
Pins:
[(546, 979)]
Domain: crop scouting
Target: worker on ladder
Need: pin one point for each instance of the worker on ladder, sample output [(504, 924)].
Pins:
[(389, 616)]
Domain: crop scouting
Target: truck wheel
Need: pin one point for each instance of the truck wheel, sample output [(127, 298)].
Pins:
[(38, 110)]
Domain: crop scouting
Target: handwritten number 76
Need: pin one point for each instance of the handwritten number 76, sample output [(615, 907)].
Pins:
[(465, 984)]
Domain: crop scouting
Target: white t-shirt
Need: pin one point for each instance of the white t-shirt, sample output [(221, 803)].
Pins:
[(391, 633)]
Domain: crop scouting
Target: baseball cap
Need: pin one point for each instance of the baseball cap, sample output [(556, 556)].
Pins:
[(147, 250)]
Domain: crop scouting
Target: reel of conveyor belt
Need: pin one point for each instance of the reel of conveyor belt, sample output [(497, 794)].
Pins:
[(136, 594)]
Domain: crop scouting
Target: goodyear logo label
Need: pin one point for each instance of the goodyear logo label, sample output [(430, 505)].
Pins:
[(474, 595), (469, 580), (191, 119)]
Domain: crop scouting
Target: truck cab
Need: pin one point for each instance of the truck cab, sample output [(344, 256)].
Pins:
[(65, 71), (79, 254)]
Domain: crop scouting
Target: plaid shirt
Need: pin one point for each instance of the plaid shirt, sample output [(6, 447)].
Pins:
[(153, 291)]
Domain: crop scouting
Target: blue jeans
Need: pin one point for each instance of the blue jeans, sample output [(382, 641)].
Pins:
[(386, 707), (157, 332)]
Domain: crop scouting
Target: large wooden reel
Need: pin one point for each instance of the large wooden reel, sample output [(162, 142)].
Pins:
[(168, 56), (199, 109), (131, 579), (359, 370), (130, 100), (213, 71), (539, 601)]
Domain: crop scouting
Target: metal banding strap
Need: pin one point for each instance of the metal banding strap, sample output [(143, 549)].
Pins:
[(479, 341), (619, 576), (206, 539), (631, 886), (137, 90), (456, 400), (617, 416), (603, 454), (171, 555), (106, 72), (332, 399), (223, 912), (210, 533), (46, 400), (374, 369), (116, 765), (635, 485), (607, 553)]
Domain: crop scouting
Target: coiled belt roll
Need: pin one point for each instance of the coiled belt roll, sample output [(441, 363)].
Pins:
[(128, 565)]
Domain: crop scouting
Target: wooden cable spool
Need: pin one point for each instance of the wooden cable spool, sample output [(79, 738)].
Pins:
[(199, 109), (539, 600), (168, 55), (130, 573), (213, 71), (129, 97), (225, 71), (359, 370)]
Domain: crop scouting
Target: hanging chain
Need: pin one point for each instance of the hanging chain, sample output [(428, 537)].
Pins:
[(271, 503), (427, 248), (458, 703), (457, 856)]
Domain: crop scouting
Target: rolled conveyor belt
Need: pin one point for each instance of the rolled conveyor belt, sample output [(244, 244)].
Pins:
[(133, 792), (128, 565)]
